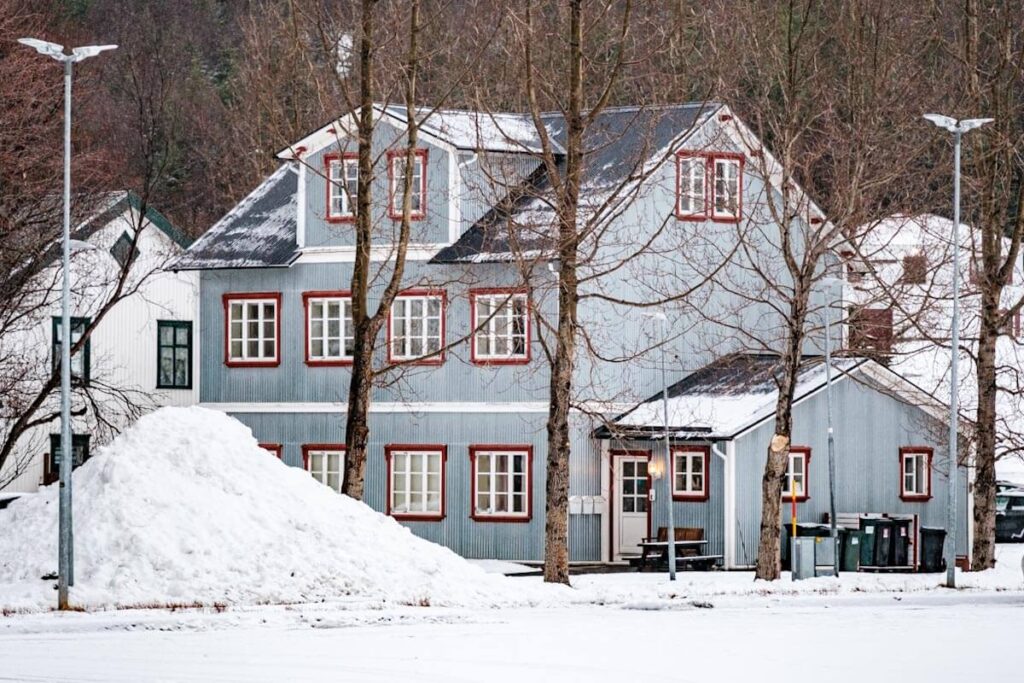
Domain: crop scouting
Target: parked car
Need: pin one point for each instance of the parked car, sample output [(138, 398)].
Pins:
[(1010, 517), (1002, 486)]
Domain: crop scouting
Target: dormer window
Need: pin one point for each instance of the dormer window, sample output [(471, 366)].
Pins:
[(418, 191), (342, 186), (709, 185)]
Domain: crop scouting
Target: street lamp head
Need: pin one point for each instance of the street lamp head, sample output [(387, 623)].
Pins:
[(956, 126), (971, 124), (44, 48), (86, 51), (657, 315)]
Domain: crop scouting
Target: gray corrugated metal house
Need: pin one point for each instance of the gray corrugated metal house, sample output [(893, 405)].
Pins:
[(457, 443)]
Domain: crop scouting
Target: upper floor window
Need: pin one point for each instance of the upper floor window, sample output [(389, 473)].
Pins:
[(330, 338), (501, 323), (79, 361), (501, 483), (796, 480), (871, 330), (915, 473), (418, 191), (124, 250), (690, 472), (326, 463), (416, 327), (173, 354), (709, 185), (915, 269), (273, 448), (342, 186), (253, 327), (415, 481)]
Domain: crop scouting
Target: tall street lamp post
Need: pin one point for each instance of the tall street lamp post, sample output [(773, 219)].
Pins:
[(65, 551), (668, 449), (829, 283), (957, 127)]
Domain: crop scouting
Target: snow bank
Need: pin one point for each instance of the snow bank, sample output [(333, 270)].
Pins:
[(185, 508)]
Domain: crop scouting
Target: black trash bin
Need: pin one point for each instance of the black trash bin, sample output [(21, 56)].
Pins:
[(868, 531), (883, 543), (899, 549), (850, 560), (932, 541)]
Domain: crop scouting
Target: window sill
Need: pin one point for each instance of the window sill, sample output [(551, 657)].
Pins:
[(502, 361), (915, 497), (691, 497), (413, 517), (329, 363), (172, 388), (340, 219), (501, 519), (799, 499), (252, 363), (693, 217)]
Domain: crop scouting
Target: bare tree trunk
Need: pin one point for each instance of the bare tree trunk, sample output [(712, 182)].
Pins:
[(983, 551)]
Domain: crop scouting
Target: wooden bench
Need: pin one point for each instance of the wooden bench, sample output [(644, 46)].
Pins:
[(690, 545)]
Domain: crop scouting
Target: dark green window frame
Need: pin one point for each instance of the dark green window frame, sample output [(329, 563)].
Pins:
[(79, 447), (81, 324), (178, 351)]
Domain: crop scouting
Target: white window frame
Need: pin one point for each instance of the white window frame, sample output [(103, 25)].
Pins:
[(492, 476), (322, 474), (339, 189), (688, 167), (425, 337), (682, 464), (502, 305), (245, 357), (345, 334), (919, 474), (403, 480), (418, 190), (727, 162), (801, 493)]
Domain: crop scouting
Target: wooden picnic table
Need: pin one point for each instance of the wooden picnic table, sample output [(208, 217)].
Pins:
[(687, 552)]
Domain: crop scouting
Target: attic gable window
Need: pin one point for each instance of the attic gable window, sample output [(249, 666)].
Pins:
[(709, 185), (123, 251), (871, 330), (396, 178), (80, 360), (342, 186), (915, 269), (915, 473)]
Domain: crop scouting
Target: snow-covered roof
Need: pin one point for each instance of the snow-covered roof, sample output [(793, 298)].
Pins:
[(258, 233), (476, 130)]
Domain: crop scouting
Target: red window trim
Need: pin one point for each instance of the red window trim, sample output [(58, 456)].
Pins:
[(806, 495), (320, 294), (432, 360), (307, 447), (691, 497), (928, 452), (274, 448), (473, 294), (501, 448), (400, 155), (328, 158), (416, 447), (709, 186), (226, 299)]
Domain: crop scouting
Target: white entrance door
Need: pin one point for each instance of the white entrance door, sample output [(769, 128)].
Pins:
[(631, 505)]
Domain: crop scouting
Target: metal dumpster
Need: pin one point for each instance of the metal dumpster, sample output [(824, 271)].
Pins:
[(883, 543), (932, 541), (850, 556), (899, 553), (868, 530)]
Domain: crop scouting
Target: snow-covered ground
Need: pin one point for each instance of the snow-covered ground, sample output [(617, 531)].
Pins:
[(924, 637)]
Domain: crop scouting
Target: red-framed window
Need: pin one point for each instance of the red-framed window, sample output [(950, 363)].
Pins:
[(274, 448), (1012, 327), (798, 473), (342, 172), (709, 185), (915, 473), (871, 330), (416, 481), (325, 462), (330, 339), (252, 329), (416, 326), (915, 269), (691, 466), (396, 177), (503, 319), (501, 483)]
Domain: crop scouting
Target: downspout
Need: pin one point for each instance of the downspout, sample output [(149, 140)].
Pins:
[(728, 504), (300, 200)]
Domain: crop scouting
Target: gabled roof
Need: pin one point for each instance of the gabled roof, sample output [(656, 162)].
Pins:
[(738, 392), (258, 233), (618, 146)]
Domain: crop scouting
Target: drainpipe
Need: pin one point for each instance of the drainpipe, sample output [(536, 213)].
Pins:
[(727, 504)]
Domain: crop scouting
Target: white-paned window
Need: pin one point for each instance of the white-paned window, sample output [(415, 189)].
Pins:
[(690, 200), (796, 473), (501, 479), (330, 336), (689, 473), (727, 188), (342, 185), (502, 327), (416, 482), (252, 329), (417, 326), (418, 190), (915, 473), (326, 464)]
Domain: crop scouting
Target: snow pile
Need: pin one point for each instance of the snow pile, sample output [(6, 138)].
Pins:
[(184, 508)]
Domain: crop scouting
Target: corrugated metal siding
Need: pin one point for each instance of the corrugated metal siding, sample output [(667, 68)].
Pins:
[(473, 539), (870, 428), (487, 178)]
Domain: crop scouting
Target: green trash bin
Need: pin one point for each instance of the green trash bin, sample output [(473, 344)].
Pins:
[(868, 531), (850, 558)]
